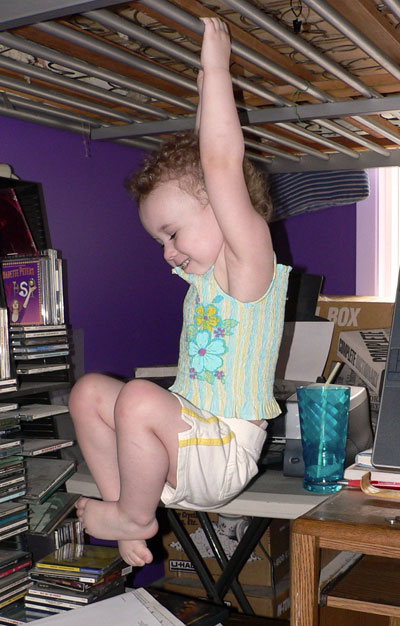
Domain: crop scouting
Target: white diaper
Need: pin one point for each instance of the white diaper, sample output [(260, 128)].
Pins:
[(217, 457)]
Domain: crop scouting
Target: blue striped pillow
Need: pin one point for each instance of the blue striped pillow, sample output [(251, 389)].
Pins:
[(304, 192)]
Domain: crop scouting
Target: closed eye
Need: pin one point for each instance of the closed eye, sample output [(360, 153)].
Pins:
[(159, 241)]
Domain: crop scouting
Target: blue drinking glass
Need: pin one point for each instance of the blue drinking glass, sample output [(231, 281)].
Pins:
[(323, 413)]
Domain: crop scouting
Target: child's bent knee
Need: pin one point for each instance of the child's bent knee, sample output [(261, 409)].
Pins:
[(85, 391), (136, 395), (139, 400)]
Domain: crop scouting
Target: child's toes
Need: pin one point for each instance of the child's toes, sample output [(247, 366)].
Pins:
[(80, 506), (135, 552)]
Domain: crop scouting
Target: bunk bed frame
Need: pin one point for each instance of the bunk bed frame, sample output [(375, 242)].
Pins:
[(317, 82)]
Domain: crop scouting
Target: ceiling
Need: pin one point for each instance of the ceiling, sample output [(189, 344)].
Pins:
[(317, 82)]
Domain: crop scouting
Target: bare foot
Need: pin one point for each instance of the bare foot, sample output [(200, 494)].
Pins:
[(135, 552), (104, 520)]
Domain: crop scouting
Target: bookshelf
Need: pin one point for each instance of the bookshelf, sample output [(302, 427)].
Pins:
[(28, 389), (38, 451), (35, 364)]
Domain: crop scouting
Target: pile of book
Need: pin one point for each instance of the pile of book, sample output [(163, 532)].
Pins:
[(74, 576), (39, 349), (384, 479)]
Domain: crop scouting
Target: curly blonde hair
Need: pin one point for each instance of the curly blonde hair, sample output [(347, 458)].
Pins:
[(178, 158)]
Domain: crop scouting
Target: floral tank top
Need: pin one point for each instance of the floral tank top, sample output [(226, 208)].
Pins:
[(229, 349)]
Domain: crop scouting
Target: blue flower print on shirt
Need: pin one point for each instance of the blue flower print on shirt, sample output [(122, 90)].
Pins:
[(205, 352), (206, 343)]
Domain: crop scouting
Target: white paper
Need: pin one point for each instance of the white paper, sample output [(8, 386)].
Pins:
[(127, 609), (159, 611), (304, 350)]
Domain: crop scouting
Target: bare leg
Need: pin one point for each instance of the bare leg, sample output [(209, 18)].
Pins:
[(141, 455), (92, 403)]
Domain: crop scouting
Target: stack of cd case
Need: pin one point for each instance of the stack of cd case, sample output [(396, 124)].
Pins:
[(14, 576), (12, 467), (75, 576), (40, 350), (13, 519), (12, 481), (37, 427)]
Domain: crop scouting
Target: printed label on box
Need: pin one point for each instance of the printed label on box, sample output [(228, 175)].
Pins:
[(180, 566)]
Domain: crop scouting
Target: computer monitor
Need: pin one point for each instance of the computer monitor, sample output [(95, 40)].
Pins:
[(386, 448), (302, 296)]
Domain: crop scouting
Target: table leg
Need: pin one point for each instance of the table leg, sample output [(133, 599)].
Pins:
[(251, 537), (191, 550), (304, 578), (394, 621), (223, 561)]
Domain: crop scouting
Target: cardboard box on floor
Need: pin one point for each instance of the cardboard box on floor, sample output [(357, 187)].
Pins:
[(262, 600), (257, 570), (353, 313)]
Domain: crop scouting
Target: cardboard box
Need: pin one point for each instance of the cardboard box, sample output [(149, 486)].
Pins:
[(365, 352), (261, 599), (353, 313), (257, 570), (347, 376)]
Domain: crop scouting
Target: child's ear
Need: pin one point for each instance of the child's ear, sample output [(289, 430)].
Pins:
[(201, 194)]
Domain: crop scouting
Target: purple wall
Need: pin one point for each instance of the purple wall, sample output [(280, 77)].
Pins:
[(120, 291), (321, 242)]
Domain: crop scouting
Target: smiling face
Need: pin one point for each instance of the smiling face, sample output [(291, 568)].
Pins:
[(184, 226)]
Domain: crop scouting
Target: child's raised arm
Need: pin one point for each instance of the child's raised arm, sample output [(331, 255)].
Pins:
[(248, 251)]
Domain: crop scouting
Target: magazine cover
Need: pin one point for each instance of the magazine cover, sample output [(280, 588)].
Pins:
[(23, 290)]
